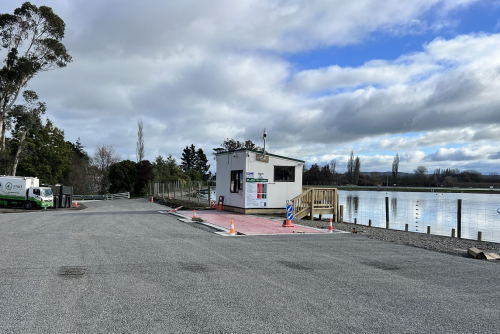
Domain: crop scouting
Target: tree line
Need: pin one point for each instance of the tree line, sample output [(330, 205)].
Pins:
[(447, 177)]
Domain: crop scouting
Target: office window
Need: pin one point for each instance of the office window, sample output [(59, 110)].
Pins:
[(284, 173), (236, 181)]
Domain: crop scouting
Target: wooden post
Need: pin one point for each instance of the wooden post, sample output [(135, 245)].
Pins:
[(428, 230), (406, 227), (182, 190), (190, 185), (209, 203), (370, 222), (387, 213), (312, 205), (336, 206), (479, 236), (199, 188), (341, 214), (459, 219), (453, 233)]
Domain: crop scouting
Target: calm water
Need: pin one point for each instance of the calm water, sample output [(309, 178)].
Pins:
[(422, 209)]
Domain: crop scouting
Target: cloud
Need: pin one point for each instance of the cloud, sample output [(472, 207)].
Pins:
[(199, 72)]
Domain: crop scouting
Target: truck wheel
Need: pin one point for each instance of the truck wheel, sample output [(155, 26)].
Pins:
[(27, 205)]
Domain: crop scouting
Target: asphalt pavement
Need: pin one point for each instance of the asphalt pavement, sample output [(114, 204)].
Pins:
[(124, 267)]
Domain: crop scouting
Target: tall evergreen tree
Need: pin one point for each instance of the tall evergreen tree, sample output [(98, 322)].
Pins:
[(357, 170), (46, 155), (202, 165), (32, 40), (395, 168), (350, 168), (139, 151), (188, 158)]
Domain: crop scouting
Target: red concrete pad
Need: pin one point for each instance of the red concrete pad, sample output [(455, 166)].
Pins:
[(252, 225)]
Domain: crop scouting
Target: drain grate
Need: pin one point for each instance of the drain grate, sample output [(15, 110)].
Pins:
[(71, 272)]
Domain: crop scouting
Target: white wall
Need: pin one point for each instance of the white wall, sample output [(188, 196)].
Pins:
[(225, 164), (277, 192)]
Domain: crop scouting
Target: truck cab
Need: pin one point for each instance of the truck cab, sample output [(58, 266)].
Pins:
[(39, 196)]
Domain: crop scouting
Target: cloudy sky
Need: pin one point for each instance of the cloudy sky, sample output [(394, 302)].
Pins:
[(325, 77)]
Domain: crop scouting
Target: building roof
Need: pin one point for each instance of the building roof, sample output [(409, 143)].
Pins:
[(260, 152)]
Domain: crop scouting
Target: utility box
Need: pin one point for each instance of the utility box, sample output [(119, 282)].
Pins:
[(254, 182)]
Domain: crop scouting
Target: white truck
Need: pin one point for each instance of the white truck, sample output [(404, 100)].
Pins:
[(24, 191)]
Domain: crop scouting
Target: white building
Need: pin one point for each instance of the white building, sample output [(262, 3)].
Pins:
[(255, 183)]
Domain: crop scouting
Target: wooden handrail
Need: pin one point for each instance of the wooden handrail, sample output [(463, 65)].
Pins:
[(315, 201)]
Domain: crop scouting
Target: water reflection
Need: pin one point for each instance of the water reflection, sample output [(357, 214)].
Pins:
[(352, 204), (394, 206), (421, 210)]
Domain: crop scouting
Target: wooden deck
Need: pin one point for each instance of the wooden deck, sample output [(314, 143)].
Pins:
[(316, 201)]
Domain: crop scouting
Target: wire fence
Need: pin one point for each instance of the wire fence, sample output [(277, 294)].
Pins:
[(469, 216), (194, 191)]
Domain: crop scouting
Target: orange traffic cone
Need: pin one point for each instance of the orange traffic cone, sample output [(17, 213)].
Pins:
[(152, 199), (288, 223), (194, 213), (212, 205), (75, 204), (169, 196), (231, 231), (175, 210), (330, 229)]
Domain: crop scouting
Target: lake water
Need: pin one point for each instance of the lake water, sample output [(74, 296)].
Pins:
[(480, 212)]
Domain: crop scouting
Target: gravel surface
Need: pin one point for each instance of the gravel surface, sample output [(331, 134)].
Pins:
[(427, 241)]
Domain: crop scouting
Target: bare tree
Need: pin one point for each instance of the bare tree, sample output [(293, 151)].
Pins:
[(103, 158), (395, 168), (420, 172), (139, 151), (333, 166)]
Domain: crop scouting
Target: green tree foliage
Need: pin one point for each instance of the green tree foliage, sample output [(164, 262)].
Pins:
[(81, 176), (188, 159), (123, 176), (26, 117), (357, 170), (130, 176), (195, 163), (166, 170), (46, 155), (231, 145), (202, 165), (350, 168), (31, 39), (395, 168), (144, 176)]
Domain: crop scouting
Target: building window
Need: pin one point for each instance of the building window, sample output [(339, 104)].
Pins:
[(284, 173), (236, 181)]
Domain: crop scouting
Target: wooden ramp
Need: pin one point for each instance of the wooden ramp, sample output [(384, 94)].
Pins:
[(316, 201)]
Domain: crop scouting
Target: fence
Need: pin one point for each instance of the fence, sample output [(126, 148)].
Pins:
[(195, 191), (102, 197), (118, 196), (474, 216)]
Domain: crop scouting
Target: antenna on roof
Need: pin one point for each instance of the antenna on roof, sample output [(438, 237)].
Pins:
[(264, 137)]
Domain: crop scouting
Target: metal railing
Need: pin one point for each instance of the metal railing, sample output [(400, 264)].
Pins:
[(118, 196)]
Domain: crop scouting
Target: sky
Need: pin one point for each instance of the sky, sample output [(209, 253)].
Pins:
[(325, 77)]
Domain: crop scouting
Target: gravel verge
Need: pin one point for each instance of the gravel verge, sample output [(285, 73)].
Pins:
[(431, 242)]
